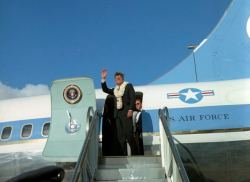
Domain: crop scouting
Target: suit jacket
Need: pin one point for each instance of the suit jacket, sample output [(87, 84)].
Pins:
[(138, 135), (128, 99), (139, 124)]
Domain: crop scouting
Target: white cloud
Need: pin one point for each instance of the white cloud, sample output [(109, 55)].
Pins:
[(7, 92)]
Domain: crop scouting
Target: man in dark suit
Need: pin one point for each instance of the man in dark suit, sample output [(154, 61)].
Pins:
[(138, 127), (123, 109)]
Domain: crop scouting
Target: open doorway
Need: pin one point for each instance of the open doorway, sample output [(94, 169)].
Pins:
[(107, 120), (110, 143)]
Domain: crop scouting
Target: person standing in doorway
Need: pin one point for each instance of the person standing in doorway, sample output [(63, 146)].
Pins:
[(138, 127)]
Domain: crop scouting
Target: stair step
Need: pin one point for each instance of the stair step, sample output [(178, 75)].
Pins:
[(129, 160), (126, 166), (129, 174)]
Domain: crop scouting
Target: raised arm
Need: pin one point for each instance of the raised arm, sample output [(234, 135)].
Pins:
[(104, 85), (104, 73)]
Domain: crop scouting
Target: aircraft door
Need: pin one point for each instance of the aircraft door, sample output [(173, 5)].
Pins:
[(70, 102)]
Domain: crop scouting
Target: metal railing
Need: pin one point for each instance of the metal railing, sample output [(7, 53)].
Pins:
[(88, 158), (171, 160)]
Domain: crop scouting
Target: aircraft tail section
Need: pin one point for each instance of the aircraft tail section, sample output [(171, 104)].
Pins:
[(223, 55)]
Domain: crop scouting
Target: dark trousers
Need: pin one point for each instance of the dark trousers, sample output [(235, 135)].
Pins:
[(139, 143), (125, 132), (116, 147)]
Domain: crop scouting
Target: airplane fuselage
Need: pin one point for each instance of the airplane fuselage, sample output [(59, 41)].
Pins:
[(201, 114)]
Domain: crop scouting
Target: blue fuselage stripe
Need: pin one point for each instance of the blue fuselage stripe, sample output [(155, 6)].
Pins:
[(17, 126), (181, 119), (200, 118)]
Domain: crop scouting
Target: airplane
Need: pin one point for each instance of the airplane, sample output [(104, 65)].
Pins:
[(207, 95)]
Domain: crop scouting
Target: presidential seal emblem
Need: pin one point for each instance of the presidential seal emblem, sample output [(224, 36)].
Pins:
[(72, 94)]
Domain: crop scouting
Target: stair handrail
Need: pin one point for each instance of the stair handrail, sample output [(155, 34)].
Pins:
[(87, 161), (173, 168)]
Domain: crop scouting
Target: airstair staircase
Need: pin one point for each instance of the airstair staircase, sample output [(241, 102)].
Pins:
[(166, 167), (130, 168)]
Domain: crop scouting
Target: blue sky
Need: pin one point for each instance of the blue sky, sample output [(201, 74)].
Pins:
[(42, 41)]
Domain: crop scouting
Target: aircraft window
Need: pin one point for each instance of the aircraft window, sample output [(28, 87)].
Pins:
[(45, 129), (6, 133), (26, 131)]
